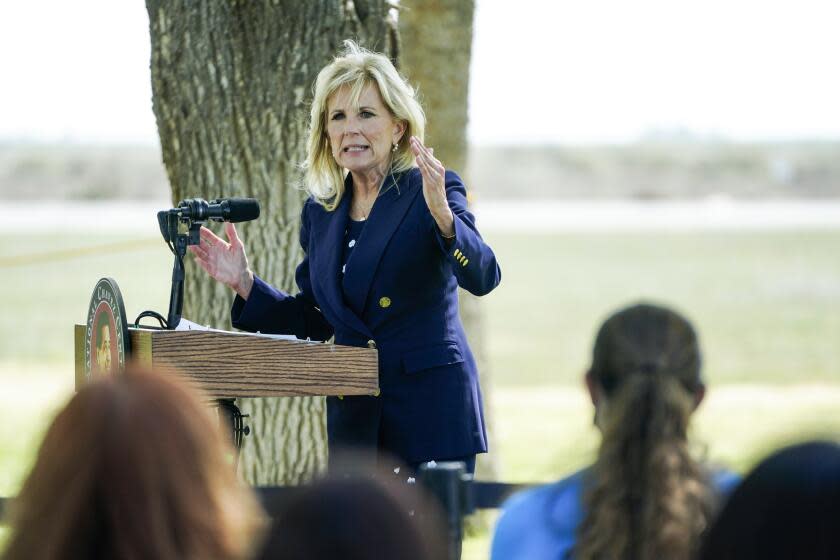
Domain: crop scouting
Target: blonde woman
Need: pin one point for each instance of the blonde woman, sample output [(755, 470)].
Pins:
[(387, 241), (645, 497)]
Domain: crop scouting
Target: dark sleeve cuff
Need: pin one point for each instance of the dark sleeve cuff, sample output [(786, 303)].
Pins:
[(249, 315)]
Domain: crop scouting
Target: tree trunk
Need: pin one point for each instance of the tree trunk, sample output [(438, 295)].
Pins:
[(231, 82), (435, 50)]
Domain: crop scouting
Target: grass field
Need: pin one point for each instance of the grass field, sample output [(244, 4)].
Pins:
[(767, 306)]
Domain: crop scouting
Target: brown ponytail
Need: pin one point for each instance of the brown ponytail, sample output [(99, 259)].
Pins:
[(646, 497)]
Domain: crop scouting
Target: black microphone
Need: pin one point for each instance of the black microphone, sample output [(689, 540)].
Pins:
[(220, 210)]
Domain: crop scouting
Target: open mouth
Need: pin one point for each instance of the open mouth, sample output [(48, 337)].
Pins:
[(355, 148)]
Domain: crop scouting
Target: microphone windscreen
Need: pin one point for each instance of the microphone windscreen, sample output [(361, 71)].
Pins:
[(243, 209)]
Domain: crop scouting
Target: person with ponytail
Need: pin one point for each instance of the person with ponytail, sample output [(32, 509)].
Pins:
[(646, 496)]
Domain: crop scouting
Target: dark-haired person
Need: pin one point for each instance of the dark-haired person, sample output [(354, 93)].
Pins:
[(133, 467), (356, 518), (787, 507), (645, 497), (387, 241)]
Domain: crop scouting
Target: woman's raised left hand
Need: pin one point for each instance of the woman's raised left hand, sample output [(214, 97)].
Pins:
[(434, 186)]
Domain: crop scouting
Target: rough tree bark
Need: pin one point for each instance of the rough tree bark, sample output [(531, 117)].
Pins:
[(435, 51), (231, 81)]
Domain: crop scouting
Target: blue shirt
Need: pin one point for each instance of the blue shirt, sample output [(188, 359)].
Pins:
[(351, 238), (542, 522)]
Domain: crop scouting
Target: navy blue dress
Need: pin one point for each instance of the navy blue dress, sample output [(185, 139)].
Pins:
[(397, 290)]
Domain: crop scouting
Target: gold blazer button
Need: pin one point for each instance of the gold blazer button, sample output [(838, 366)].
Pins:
[(371, 344), (384, 302)]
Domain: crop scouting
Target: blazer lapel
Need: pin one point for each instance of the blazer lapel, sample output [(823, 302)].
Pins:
[(332, 231), (386, 215)]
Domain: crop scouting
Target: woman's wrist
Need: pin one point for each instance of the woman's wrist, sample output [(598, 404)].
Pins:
[(446, 224), (246, 282)]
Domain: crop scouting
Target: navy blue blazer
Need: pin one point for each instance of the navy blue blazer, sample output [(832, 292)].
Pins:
[(401, 297)]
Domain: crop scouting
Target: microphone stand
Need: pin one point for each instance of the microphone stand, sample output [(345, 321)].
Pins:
[(178, 243), (193, 212)]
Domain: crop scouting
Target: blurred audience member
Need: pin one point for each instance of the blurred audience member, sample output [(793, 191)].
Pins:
[(356, 517), (134, 467), (645, 497), (787, 507)]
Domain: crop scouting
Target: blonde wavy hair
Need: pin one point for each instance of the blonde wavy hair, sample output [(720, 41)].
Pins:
[(357, 68), (646, 496)]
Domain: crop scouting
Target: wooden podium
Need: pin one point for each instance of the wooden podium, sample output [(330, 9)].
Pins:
[(230, 365)]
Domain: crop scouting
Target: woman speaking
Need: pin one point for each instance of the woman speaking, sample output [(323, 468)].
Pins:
[(387, 240)]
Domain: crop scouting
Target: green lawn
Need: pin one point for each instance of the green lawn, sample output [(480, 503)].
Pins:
[(767, 306), (47, 297)]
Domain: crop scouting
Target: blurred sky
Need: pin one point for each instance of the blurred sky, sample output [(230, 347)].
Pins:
[(543, 71)]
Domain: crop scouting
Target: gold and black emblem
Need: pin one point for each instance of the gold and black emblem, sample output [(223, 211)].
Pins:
[(106, 336)]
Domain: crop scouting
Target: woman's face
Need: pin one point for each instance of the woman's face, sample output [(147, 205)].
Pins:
[(361, 137)]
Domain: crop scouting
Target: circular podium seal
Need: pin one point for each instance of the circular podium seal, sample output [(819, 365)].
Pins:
[(106, 338)]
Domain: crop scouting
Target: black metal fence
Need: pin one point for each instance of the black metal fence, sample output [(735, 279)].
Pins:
[(458, 494)]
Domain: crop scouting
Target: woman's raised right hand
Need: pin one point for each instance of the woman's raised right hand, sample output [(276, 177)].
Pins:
[(223, 260)]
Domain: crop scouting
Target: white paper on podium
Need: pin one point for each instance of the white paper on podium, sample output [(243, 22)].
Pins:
[(187, 325)]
